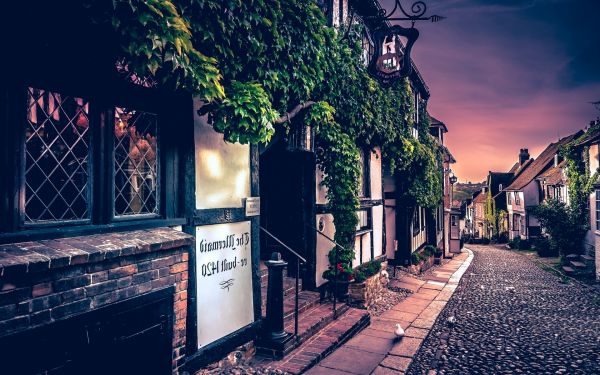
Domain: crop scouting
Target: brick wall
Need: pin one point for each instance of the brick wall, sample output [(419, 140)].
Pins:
[(40, 283)]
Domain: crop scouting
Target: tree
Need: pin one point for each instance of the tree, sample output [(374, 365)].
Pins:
[(491, 215), (563, 224)]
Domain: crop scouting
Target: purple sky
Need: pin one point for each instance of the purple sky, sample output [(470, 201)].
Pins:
[(508, 74)]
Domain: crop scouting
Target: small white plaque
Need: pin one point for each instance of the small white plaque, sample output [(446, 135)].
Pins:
[(253, 206)]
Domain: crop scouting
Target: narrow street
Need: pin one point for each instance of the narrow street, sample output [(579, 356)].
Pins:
[(513, 317)]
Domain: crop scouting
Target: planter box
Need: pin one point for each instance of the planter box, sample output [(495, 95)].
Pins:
[(422, 266), (368, 292)]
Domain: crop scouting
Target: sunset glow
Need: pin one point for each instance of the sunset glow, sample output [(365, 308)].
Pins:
[(506, 75)]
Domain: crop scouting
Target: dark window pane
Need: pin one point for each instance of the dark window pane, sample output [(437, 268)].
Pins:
[(57, 140), (135, 162)]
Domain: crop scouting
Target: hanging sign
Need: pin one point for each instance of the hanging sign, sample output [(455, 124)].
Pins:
[(223, 280), (386, 66)]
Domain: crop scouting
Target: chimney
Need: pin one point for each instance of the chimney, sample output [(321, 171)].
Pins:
[(555, 160), (523, 156)]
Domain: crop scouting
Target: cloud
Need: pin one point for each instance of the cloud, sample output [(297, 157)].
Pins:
[(509, 74)]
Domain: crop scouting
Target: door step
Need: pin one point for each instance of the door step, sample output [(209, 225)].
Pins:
[(572, 257), (588, 259), (306, 301), (568, 270), (319, 335), (310, 321)]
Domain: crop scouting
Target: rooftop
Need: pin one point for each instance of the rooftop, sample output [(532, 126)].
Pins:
[(541, 164), (554, 175)]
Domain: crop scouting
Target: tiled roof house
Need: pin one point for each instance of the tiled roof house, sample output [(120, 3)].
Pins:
[(524, 192)]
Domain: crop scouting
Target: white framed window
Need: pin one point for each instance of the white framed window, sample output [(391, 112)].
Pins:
[(597, 209)]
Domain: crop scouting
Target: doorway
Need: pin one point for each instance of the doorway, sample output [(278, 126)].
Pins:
[(287, 194)]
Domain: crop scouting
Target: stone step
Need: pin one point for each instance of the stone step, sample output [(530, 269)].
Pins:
[(588, 259), (568, 270), (572, 257), (310, 321), (289, 287), (577, 264), (306, 300), (319, 336)]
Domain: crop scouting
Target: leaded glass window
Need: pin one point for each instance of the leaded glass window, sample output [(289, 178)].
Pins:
[(135, 163), (57, 147)]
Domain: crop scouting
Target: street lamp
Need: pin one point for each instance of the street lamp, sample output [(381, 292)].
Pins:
[(453, 180), (385, 54)]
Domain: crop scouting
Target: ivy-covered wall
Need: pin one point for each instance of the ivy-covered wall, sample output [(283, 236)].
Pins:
[(258, 63)]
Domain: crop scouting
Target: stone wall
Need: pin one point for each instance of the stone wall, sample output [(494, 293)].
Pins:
[(46, 281), (370, 291)]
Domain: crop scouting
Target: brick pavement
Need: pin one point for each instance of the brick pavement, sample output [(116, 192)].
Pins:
[(375, 350)]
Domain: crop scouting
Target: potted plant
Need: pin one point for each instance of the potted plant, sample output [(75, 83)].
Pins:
[(438, 255), (339, 278), (340, 272)]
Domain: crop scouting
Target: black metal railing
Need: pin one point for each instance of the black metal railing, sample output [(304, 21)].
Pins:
[(300, 259), (336, 262)]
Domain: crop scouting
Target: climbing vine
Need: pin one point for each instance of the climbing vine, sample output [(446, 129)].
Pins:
[(567, 224), (257, 63), (580, 179), (491, 216)]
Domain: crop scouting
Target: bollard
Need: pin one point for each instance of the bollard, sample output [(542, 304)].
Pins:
[(274, 328)]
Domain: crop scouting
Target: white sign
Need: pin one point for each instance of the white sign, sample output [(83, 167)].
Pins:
[(253, 206), (223, 280)]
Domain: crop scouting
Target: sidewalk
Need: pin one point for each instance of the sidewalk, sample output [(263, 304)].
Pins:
[(374, 350)]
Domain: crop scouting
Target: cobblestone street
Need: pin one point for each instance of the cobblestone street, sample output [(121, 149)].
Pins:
[(513, 317)]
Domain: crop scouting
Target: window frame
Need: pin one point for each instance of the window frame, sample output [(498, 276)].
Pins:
[(22, 163), (167, 105), (597, 209), (361, 229), (111, 161), (416, 221), (365, 174)]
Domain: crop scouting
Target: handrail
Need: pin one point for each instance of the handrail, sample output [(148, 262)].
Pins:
[(301, 260), (336, 261), (284, 245), (326, 236)]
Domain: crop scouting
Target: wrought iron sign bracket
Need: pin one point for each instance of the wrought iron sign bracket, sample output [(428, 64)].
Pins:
[(417, 13), (395, 63)]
